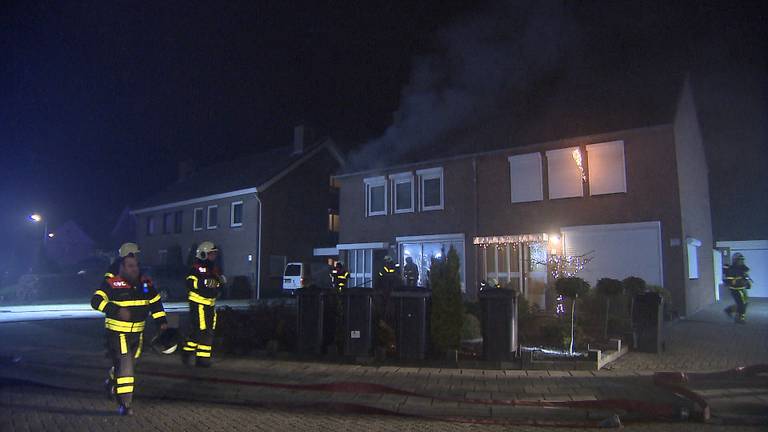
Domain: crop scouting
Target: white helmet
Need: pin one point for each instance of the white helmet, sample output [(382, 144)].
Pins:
[(128, 249), (204, 249)]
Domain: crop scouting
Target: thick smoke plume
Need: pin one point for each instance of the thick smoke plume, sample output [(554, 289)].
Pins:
[(478, 63)]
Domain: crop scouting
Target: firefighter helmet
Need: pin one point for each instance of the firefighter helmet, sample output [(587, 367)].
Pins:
[(204, 249), (128, 249), (167, 341), (387, 259), (737, 257)]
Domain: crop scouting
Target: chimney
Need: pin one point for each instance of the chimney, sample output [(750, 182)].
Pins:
[(184, 169), (299, 135)]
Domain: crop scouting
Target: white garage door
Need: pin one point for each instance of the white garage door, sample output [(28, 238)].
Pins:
[(618, 250), (756, 256)]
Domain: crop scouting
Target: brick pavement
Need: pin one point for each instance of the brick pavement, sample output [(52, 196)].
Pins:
[(69, 358)]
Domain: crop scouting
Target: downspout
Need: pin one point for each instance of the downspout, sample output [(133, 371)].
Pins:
[(477, 222), (258, 264)]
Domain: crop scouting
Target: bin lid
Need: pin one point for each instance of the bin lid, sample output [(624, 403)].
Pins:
[(497, 293), (411, 292)]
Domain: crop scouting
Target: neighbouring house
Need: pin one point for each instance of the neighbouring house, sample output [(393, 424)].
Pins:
[(261, 211), (68, 244), (613, 175)]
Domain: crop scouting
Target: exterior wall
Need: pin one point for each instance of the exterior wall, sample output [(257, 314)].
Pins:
[(695, 209), (651, 196), (295, 216), (477, 201), (236, 243), (459, 215)]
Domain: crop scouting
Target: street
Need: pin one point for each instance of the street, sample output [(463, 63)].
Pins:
[(52, 370)]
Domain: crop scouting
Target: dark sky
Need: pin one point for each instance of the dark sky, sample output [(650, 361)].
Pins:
[(100, 100)]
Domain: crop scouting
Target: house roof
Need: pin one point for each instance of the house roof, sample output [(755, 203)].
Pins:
[(253, 171), (555, 111)]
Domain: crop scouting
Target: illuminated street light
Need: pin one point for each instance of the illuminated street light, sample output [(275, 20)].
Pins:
[(51, 235), (37, 218)]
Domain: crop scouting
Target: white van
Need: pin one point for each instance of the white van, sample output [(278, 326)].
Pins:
[(301, 274)]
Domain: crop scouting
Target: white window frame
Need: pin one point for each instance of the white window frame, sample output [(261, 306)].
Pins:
[(195, 219), (232, 214), (526, 158), (208, 217), (693, 246), (430, 174), (557, 155), (398, 179), (605, 145), (372, 182), (150, 226), (360, 277)]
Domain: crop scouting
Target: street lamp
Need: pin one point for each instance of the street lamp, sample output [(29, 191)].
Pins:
[(37, 218)]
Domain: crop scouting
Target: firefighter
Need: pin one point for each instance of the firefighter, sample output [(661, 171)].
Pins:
[(204, 284), (411, 272), (736, 278), (126, 249), (339, 277), (384, 309), (126, 299)]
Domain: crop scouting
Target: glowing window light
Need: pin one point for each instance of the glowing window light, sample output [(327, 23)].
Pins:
[(579, 163)]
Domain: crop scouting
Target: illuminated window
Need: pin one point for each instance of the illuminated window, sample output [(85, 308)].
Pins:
[(607, 173), (333, 222), (693, 257), (563, 174), (150, 225)]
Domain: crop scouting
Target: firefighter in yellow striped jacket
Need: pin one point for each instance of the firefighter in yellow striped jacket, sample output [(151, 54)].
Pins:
[(126, 299), (203, 285)]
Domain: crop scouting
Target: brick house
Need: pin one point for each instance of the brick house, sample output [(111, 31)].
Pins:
[(619, 177), (261, 211)]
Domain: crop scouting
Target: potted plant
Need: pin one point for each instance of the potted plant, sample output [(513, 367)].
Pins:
[(571, 288)]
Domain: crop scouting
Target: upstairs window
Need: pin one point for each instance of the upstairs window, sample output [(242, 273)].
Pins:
[(178, 219), (563, 173), (236, 214), (607, 172), (431, 189), (402, 186), (525, 175), (376, 196), (167, 222), (197, 219), (150, 225), (213, 217)]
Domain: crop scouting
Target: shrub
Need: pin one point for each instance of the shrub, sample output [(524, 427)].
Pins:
[(471, 327), (447, 308)]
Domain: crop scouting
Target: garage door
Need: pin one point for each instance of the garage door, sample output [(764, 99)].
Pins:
[(756, 256), (617, 250)]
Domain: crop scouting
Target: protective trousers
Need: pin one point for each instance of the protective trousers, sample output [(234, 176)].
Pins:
[(202, 327), (124, 351)]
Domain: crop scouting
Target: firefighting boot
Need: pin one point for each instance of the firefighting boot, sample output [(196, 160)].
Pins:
[(729, 312), (123, 410), (187, 358), (741, 319), (203, 362)]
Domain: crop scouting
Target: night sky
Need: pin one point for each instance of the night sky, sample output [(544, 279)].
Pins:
[(100, 100)]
